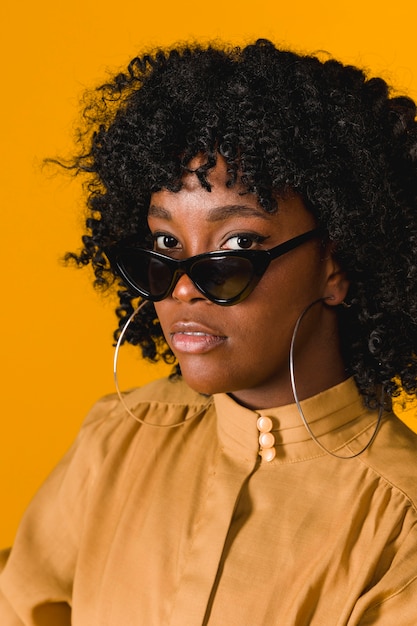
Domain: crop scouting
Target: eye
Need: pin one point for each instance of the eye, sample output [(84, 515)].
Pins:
[(244, 241), (165, 242)]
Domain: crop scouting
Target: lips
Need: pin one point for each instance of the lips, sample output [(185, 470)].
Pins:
[(193, 338)]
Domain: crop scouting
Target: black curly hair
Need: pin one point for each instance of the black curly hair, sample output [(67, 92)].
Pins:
[(281, 121)]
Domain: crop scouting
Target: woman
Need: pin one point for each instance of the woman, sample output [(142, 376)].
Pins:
[(262, 205)]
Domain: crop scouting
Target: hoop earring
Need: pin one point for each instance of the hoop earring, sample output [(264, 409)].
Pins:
[(119, 393), (297, 402)]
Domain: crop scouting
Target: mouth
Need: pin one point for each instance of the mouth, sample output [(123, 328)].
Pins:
[(190, 338)]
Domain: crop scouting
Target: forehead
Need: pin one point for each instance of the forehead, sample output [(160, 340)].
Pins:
[(220, 202), (194, 205), (197, 204)]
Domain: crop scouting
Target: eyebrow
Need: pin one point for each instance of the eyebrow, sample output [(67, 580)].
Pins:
[(215, 214)]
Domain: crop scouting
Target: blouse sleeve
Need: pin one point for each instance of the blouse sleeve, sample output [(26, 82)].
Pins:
[(36, 582), (7, 615), (400, 608), (393, 600)]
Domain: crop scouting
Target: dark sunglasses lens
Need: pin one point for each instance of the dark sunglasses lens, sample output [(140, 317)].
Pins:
[(222, 278), (150, 275)]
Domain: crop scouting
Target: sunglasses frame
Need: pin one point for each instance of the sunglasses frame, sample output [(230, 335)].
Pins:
[(259, 259)]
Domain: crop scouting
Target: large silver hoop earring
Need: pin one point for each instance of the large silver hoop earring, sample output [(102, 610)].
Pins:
[(119, 393), (297, 402)]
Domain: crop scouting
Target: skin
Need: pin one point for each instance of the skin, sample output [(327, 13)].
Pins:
[(243, 349)]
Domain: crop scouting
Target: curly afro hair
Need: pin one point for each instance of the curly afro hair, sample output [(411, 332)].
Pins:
[(280, 120)]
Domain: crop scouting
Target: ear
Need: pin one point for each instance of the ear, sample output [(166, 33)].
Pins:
[(337, 283)]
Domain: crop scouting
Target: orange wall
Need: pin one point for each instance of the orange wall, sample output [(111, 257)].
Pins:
[(57, 344)]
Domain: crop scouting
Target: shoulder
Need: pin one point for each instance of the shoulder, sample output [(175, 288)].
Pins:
[(393, 456), (165, 401), (165, 391), (172, 391), (107, 441)]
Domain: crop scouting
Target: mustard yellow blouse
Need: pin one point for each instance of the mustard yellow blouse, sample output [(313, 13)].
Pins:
[(189, 526)]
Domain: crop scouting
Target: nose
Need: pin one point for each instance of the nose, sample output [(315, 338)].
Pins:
[(186, 291)]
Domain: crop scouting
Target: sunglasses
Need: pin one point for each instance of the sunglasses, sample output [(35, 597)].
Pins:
[(224, 277)]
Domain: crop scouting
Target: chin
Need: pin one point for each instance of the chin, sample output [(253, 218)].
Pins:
[(203, 383), (204, 387)]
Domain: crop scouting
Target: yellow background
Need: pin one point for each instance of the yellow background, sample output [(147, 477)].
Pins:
[(56, 331)]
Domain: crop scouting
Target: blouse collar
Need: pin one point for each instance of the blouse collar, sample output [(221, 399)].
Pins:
[(337, 416)]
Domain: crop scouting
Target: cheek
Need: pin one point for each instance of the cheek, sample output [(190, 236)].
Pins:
[(268, 317), (286, 290)]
